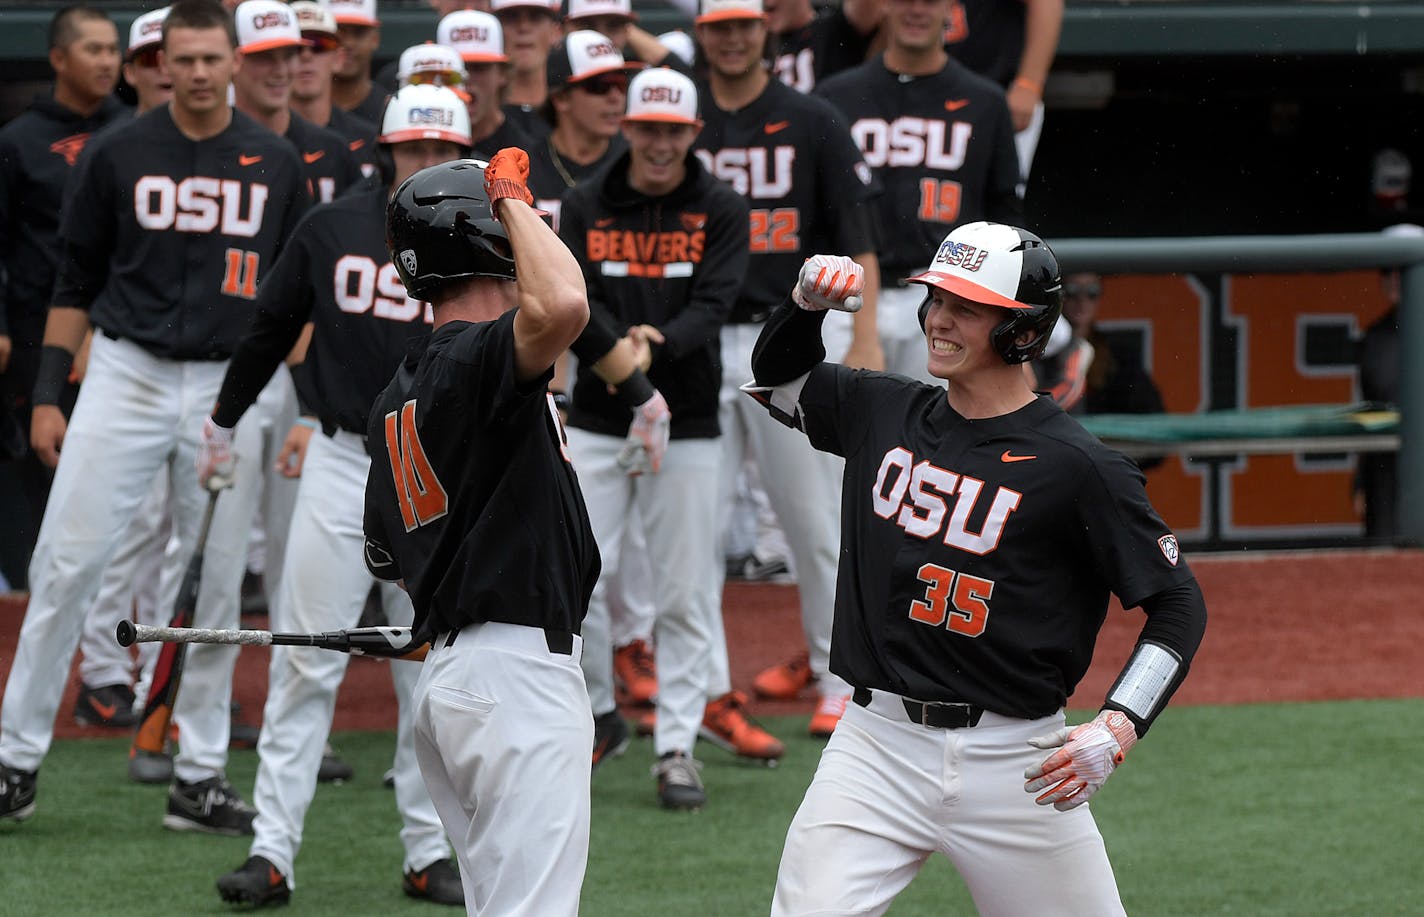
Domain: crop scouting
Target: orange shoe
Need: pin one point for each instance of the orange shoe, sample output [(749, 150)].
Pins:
[(636, 668), (784, 681), (829, 711), (725, 723)]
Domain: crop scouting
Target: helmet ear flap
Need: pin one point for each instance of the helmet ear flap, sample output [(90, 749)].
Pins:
[(924, 310)]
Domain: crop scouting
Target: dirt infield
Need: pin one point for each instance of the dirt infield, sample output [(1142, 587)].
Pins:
[(1283, 627)]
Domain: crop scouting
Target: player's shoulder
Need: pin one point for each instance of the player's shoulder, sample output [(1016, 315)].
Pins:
[(1051, 423), (311, 138), (344, 215), (853, 82), (962, 81), (256, 140)]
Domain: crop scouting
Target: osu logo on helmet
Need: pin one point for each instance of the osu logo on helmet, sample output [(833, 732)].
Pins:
[(469, 33), (440, 117), (961, 254), (270, 20), (669, 94)]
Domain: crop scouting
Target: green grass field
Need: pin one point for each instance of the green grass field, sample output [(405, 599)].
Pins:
[(1300, 809)]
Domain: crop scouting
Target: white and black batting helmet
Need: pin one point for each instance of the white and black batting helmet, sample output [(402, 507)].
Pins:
[(1002, 266)]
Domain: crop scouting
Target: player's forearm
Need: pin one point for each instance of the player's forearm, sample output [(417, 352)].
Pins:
[(646, 46), (65, 329), (552, 296), (615, 366), (789, 345), (1176, 621), (1042, 25)]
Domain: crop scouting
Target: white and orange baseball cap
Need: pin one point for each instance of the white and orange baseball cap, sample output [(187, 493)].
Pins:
[(477, 37), (726, 10), (316, 22), (425, 112), (353, 12), (580, 9), (263, 25), (146, 32), (583, 55), (662, 96), (431, 63), (551, 7)]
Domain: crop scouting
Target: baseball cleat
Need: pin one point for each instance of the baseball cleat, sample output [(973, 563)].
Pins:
[(211, 806), (785, 680), (439, 882), (17, 793), (333, 769), (610, 737), (679, 787), (725, 724), (636, 668), (256, 882), (110, 706), (829, 710)]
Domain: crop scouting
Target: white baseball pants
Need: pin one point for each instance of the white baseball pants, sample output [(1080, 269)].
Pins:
[(888, 793), (504, 737), (324, 587), (677, 505)]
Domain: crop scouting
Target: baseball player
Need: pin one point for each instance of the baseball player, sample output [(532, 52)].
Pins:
[(982, 531), (531, 30), (150, 84), (312, 84), (791, 157), (940, 142), (184, 208), (617, 20), (664, 249), (358, 30), (478, 39), (472, 503), (336, 274)]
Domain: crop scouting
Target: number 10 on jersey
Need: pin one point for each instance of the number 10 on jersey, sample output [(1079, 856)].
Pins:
[(421, 497)]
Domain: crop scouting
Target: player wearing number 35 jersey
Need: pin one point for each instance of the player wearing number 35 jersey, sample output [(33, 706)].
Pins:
[(982, 532)]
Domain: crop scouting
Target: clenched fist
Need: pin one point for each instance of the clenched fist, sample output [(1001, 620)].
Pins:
[(647, 439), (829, 282), (507, 176), (215, 459)]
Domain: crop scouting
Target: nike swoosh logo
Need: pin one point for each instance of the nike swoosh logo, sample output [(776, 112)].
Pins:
[(1006, 457), (955, 104), (248, 160), (355, 145), (420, 880), (777, 126), (600, 224), (310, 158), (106, 711)]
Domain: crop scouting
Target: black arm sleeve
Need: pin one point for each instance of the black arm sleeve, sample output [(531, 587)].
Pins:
[(1176, 620), (789, 346)]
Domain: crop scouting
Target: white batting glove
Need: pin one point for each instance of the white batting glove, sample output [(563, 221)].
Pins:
[(1087, 757), (216, 462), (647, 440), (829, 282)]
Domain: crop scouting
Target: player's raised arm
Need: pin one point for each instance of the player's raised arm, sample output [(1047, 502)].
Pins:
[(790, 344), (553, 301)]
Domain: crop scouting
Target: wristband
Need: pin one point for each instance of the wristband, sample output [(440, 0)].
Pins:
[(308, 422), (508, 188), (53, 374), (635, 390), (1026, 83)]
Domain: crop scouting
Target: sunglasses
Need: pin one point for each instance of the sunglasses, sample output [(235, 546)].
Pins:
[(603, 85), (450, 78), (1083, 290), (321, 42)]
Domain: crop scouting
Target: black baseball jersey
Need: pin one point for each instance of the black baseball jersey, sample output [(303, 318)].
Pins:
[(38, 150), (360, 136), (472, 498), (674, 262), (372, 108), (790, 156), (327, 166), (174, 234), (942, 147), (528, 119), (335, 272), (551, 175), (979, 554), (507, 134), (987, 36), (824, 46)]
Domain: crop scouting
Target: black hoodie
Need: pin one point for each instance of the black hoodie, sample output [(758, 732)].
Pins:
[(675, 262), (37, 150)]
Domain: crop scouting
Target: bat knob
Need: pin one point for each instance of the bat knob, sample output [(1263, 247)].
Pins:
[(125, 633)]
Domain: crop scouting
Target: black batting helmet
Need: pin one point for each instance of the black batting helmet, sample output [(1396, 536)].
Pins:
[(1003, 266), (439, 228)]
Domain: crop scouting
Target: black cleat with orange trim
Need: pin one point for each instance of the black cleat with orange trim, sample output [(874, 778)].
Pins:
[(439, 882), (111, 706), (257, 883)]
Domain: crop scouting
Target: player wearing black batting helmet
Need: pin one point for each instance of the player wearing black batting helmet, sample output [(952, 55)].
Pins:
[(983, 532), (473, 504)]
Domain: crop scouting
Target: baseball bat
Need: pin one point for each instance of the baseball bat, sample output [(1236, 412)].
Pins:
[(386, 642), (152, 730)]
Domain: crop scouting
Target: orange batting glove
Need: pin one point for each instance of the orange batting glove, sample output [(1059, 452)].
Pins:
[(1086, 759), (829, 282), (507, 176)]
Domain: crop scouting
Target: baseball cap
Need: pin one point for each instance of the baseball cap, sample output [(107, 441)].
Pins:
[(662, 95), (353, 12), (425, 112), (430, 63), (146, 32), (549, 6), (726, 10), (263, 25), (584, 54), (578, 9), (680, 43), (316, 22), (475, 36), (984, 263)]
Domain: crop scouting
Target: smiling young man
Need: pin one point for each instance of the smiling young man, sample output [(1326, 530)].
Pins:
[(478, 39), (531, 30), (359, 31), (186, 207), (983, 531), (312, 80)]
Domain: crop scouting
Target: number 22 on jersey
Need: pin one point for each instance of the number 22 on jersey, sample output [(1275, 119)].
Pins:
[(421, 497)]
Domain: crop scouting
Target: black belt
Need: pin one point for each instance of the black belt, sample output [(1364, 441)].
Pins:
[(558, 641), (940, 716), (331, 429)]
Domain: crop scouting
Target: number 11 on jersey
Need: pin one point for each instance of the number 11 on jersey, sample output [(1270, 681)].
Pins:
[(421, 497)]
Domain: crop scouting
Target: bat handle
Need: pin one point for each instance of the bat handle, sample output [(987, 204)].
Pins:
[(126, 633)]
